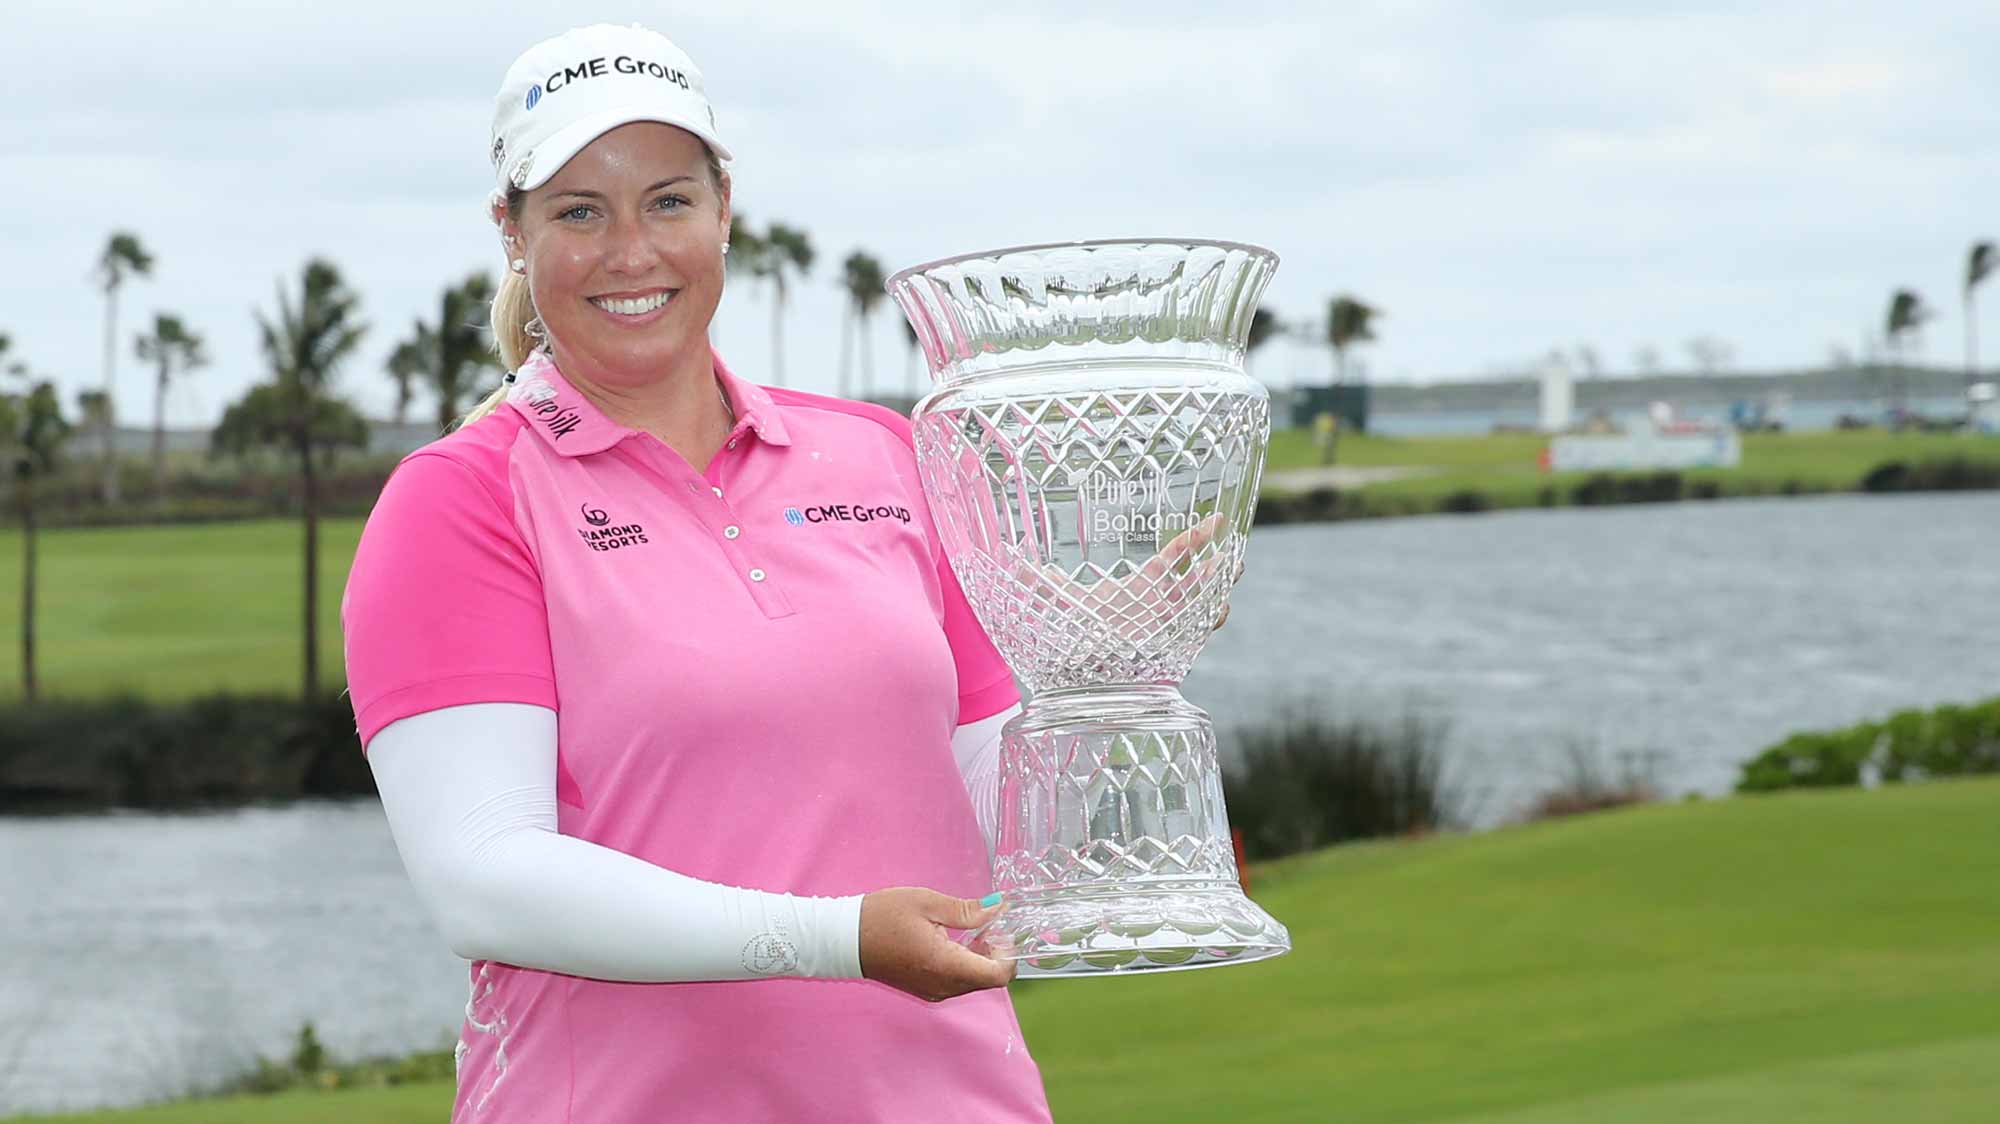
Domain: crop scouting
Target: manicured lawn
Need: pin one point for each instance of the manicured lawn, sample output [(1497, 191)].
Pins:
[(1821, 454), (1504, 467), (1815, 956), (1637, 962), (173, 611)]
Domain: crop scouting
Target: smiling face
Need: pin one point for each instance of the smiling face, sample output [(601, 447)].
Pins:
[(624, 254)]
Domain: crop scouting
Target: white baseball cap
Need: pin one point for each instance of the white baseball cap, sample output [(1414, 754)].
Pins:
[(565, 92)]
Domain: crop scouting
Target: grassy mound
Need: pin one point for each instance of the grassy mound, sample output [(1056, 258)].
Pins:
[(1740, 960), (1829, 955)]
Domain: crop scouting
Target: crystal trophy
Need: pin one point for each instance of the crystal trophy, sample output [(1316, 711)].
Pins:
[(1091, 453)]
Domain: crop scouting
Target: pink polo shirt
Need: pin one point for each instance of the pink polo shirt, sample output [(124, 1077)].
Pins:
[(756, 671)]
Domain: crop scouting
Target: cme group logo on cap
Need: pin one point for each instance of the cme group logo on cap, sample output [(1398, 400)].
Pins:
[(534, 95), (795, 517)]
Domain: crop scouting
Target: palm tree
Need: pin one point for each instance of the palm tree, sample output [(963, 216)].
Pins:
[(297, 410), (409, 365), (93, 409), (1907, 312), (32, 431), (747, 251), (746, 246), (1264, 325), (449, 357), (1348, 322), (122, 256), (862, 277), (170, 345), (1978, 263), (464, 349), (786, 250)]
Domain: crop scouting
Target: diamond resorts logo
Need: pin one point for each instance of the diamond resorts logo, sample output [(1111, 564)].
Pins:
[(601, 536)]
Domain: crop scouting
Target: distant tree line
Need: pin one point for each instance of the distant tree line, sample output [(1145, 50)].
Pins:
[(316, 326)]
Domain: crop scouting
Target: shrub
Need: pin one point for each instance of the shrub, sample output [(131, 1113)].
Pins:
[(1909, 745), (1466, 501), (1588, 785), (312, 1067), (1889, 476), (223, 749), (1938, 474), (257, 487), (1601, 488), (1307, 780)]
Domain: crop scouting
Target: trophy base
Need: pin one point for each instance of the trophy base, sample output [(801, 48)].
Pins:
[(1100, 931)]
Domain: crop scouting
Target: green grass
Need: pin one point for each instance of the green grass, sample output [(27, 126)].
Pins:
[(1636, 958), (404, 1104), (1824, 956), (173, 611), (1503, 465)]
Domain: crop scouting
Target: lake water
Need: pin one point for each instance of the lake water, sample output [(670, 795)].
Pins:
[(147, 954)]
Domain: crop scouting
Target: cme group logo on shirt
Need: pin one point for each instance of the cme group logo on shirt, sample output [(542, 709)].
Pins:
[(602, 536), (845, 513)]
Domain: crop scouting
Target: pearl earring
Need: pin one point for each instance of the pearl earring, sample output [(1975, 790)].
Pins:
[(518, 265), (725, 247)]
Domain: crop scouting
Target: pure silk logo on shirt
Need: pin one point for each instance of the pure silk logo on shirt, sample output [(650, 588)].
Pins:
[(602, 536), (845, 513), (539, 398)]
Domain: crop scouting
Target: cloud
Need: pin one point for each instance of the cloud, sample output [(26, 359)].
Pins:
[(1502, 178)]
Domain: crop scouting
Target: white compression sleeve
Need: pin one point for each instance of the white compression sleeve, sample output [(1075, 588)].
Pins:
[(469, 792), (976, 748)]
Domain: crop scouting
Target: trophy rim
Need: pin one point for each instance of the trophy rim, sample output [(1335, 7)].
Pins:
[(908, 272)]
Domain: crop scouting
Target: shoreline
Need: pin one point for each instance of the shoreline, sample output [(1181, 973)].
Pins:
[(1392, 491)]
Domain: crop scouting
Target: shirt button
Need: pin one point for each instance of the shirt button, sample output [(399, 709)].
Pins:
[(717, 489), (756, 575), (731, 531), (732, 442)]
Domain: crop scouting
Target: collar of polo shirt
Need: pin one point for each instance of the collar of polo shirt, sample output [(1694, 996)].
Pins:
[(574, 427)]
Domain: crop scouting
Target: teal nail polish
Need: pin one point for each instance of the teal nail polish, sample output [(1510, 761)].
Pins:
[(990, 900)]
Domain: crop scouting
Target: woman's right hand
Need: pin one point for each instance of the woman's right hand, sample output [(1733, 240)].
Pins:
[(904, 943)]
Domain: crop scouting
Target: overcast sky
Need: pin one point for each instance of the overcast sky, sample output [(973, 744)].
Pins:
[(1500, 178)]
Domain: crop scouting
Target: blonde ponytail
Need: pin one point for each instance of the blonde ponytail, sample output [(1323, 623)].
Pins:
[(486, 406), (513, 308)]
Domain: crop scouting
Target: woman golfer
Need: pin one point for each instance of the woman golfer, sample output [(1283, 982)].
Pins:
[(670, 694)]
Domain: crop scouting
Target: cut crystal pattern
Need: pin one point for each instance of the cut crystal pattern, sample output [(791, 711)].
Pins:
[(1091, 457)]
